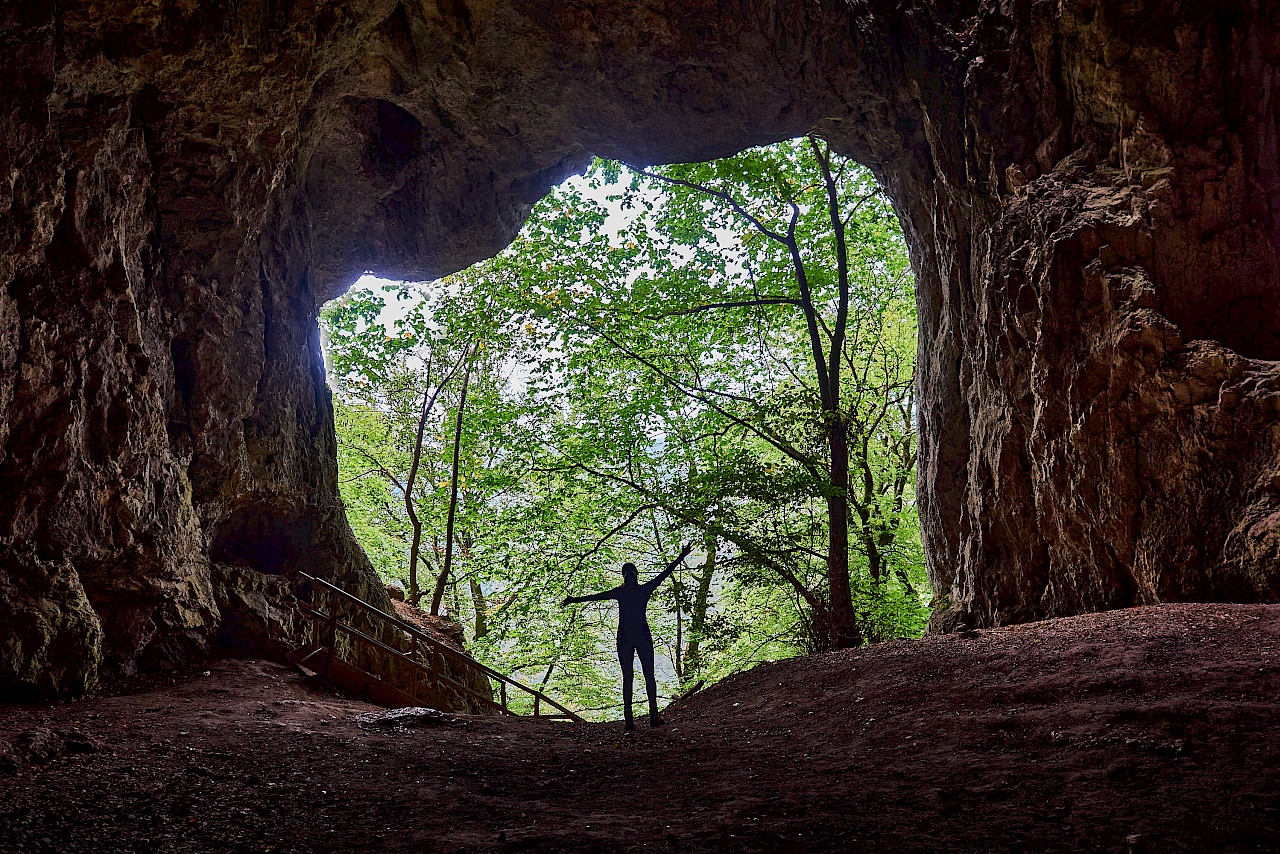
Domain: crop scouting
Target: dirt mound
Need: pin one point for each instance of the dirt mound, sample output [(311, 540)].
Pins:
[(1153, 729), (442, 629)]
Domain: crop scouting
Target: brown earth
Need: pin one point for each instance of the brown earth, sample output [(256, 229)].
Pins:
[(443, 629), (1151, 729)]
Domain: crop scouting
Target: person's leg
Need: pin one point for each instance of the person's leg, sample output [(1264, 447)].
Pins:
[(645, 650), (627, 661)]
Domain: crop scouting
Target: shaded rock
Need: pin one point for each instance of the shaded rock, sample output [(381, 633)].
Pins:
[(259, 611), (443, 629), (42, 745), (448, 632), (10, 761), (412, 717), (51, 641)]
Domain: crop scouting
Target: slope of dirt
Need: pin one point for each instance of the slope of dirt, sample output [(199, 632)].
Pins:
[(1153, 729), (443, 629)]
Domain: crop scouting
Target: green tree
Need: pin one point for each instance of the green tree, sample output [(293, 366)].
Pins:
[(720, 352), (771, 292)]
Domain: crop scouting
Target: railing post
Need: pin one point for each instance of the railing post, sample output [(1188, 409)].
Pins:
[(413, 656), (537, 700), (333, 641), (502, 689)]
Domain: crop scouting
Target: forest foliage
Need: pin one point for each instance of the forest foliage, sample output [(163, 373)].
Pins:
[(717, 352)]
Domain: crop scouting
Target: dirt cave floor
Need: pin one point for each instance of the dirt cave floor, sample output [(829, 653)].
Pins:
[(1152, 729)]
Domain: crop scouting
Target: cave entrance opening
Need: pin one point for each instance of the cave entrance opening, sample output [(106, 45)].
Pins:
[(266, 538), (650, 362)]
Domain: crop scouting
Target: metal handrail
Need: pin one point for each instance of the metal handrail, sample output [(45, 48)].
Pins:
[(437, 647), (424, 668)]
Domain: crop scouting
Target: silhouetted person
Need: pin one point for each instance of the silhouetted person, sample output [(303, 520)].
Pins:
[(633, 631)]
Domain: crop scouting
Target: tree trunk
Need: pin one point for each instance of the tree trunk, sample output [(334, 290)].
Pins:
[(455, 603), (819, 627), (677, 656), (698, 619), (873, 557), (843, 626), (482, 608), (415, 593), (453, 497)]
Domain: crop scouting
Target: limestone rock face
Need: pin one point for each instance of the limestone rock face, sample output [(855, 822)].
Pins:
[(1111, 342), (1086, 187), (259, 611)]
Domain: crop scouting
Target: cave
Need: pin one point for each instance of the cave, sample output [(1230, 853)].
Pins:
[(1086, 188)]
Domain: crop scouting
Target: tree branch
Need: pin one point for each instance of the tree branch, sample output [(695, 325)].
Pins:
[(744, 545), (719, 194), (716, 305)]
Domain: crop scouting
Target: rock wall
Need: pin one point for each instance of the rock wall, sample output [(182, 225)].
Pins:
[(1085, 185), (1117, 326)]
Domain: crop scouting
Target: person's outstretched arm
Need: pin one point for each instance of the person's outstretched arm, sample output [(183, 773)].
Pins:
[(652, 584), (591, 597)]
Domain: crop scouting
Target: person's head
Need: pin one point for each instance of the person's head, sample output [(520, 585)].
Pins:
[(630, 575)]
